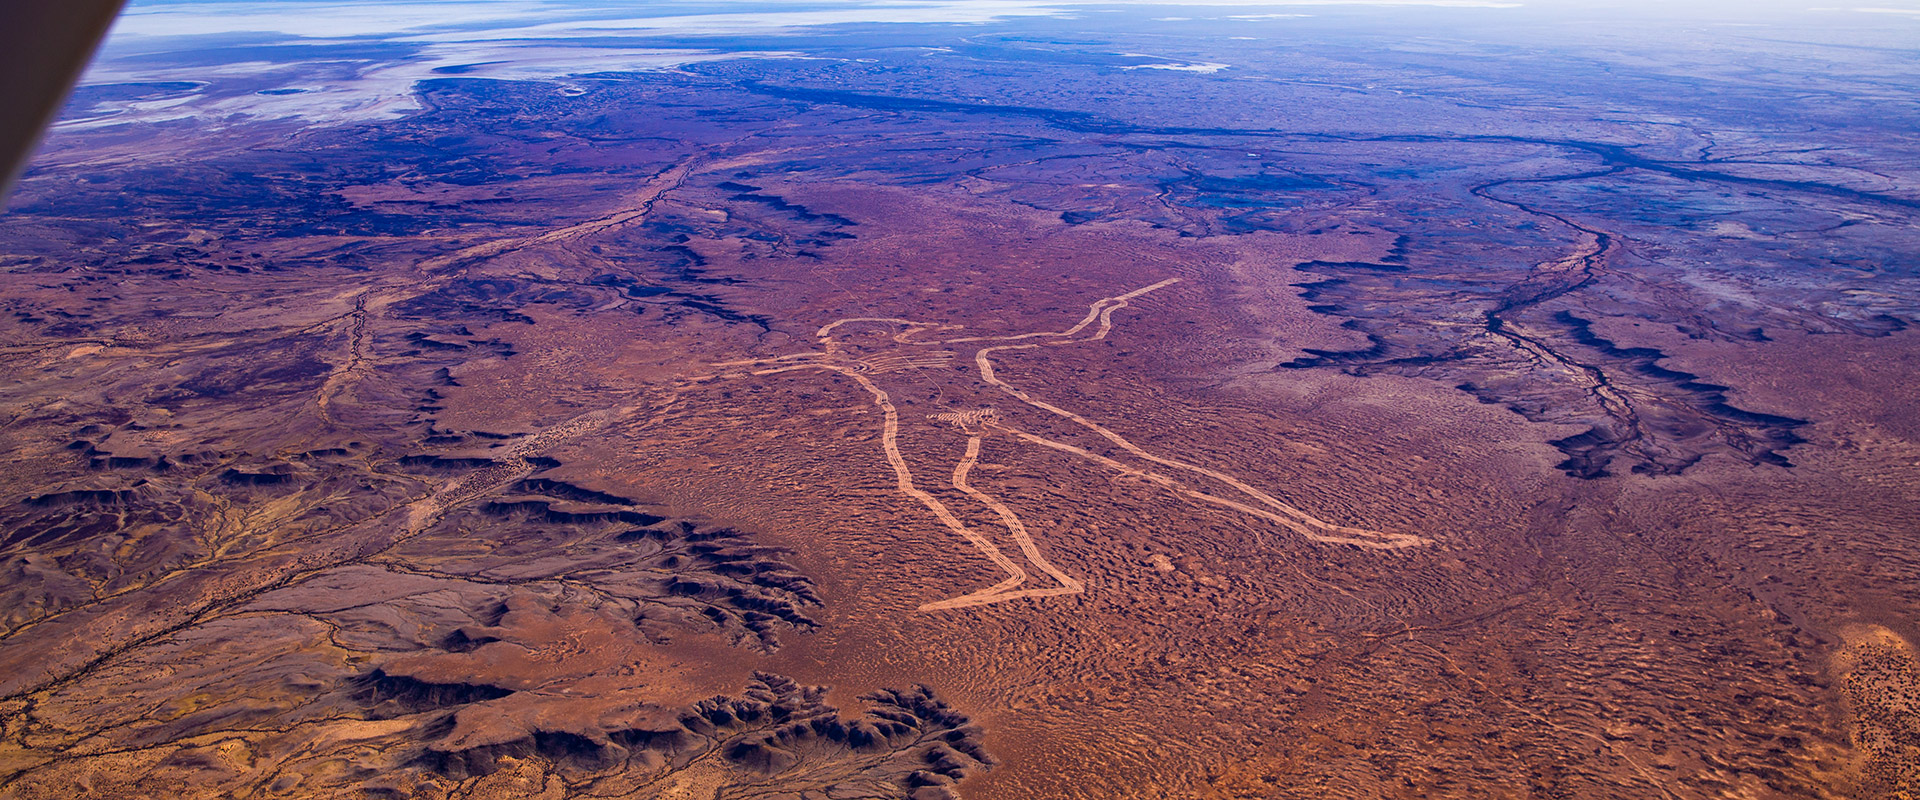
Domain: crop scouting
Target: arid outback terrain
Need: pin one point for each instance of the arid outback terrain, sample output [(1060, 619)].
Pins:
[(1445, 403)]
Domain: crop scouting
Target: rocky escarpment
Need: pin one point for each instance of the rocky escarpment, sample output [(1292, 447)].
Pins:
[(777, 738)]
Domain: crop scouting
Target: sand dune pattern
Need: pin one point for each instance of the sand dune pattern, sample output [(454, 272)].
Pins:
[(977, 424)]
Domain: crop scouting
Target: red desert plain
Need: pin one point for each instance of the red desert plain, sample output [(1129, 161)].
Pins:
[(1003, 402)]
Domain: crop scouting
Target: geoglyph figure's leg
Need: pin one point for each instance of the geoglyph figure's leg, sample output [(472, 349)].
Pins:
[(975, 423)]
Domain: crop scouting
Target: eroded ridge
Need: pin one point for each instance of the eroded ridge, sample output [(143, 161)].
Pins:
[(836, 355)]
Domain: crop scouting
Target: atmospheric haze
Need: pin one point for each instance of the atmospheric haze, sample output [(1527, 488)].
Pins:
[(993, 400)]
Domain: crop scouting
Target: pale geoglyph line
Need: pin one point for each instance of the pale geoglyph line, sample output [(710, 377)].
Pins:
[(1267, 507), (903, 475), (1068, 585), (1101, 311), (911, 326), (1295, 520), (903, 478), (1175, 486)]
